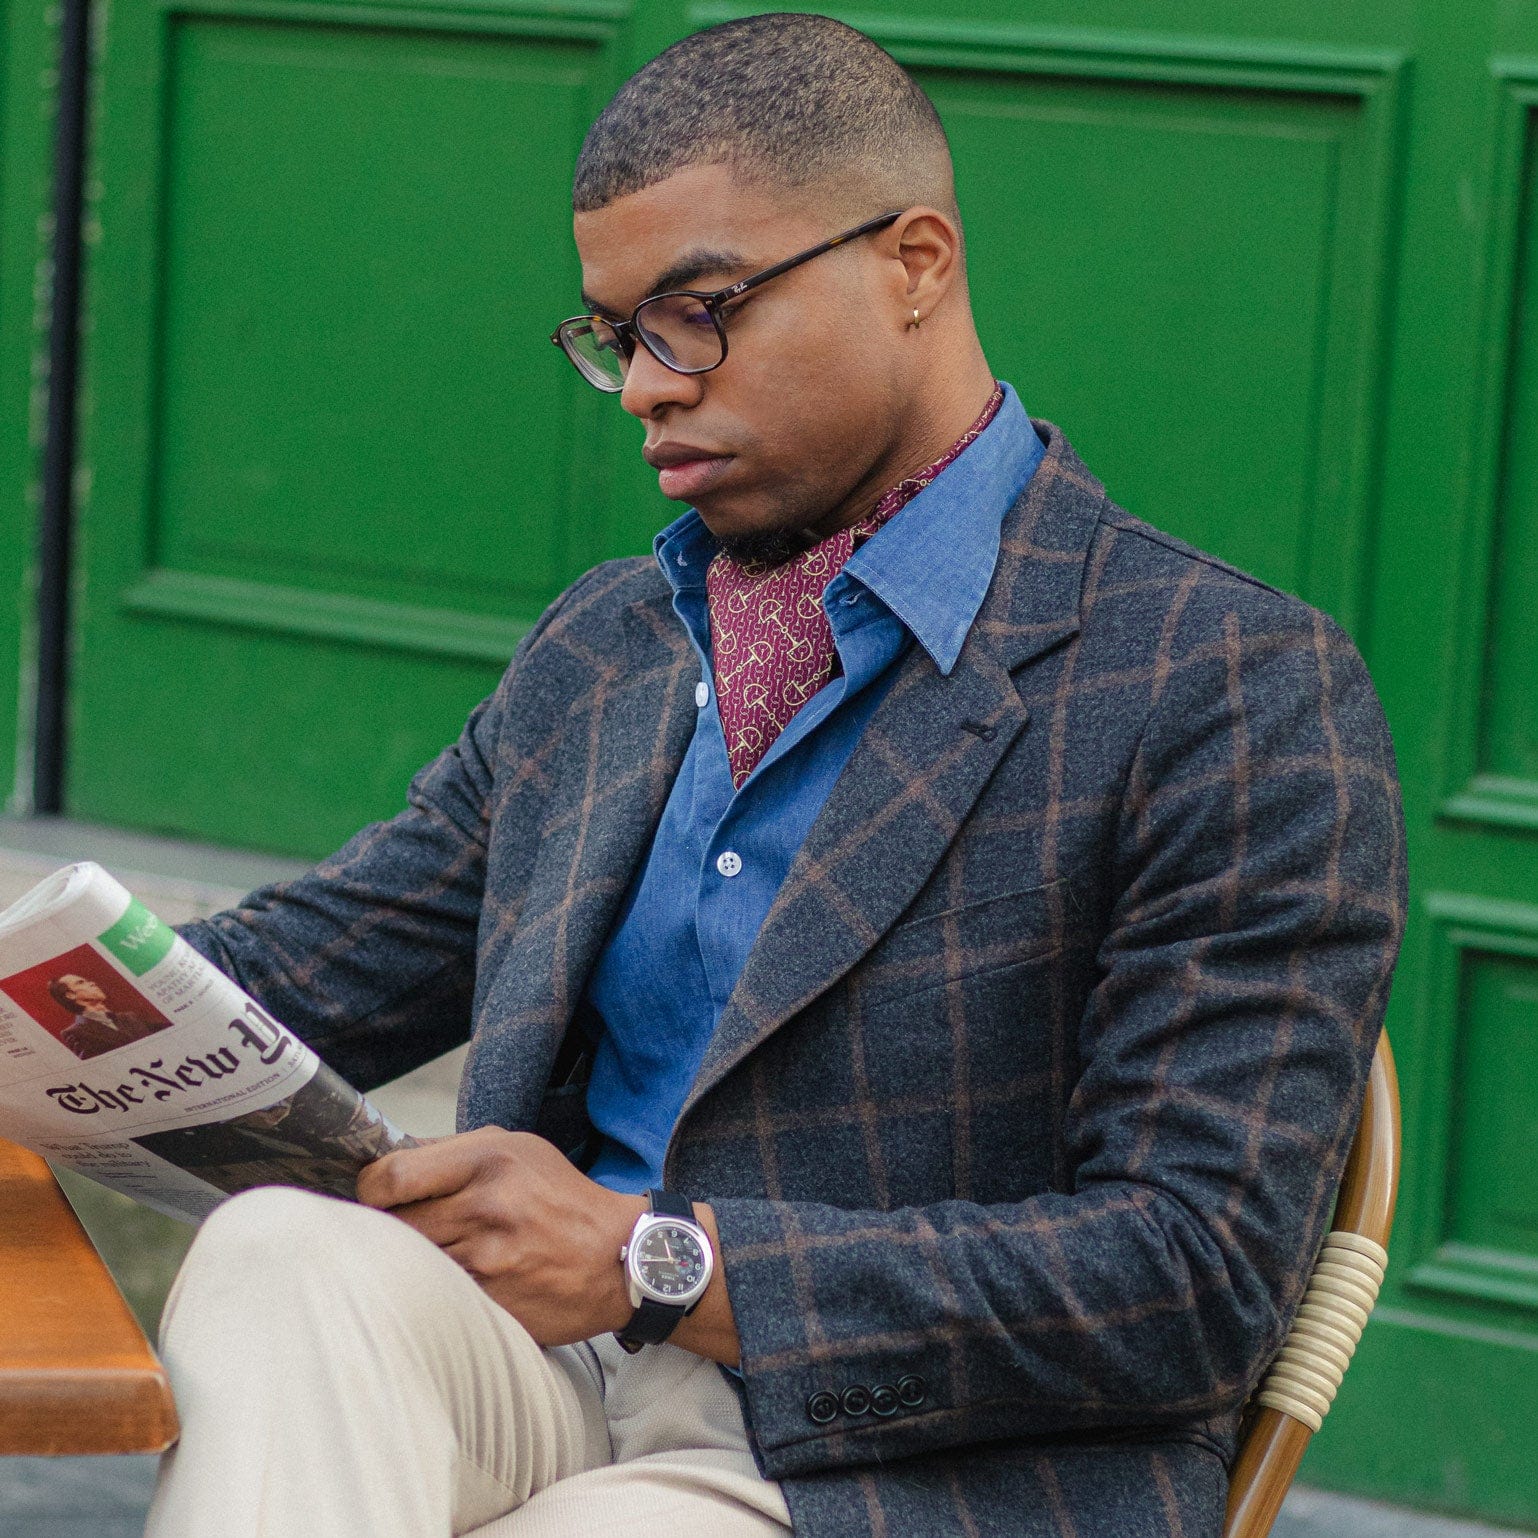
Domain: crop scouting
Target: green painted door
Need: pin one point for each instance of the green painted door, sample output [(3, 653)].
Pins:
[(1273, 269)]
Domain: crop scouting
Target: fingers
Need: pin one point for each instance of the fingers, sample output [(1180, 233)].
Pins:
[(440, 1219), (433, 1170), (477, 1255)]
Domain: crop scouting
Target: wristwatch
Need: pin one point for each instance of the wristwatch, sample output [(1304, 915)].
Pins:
[(668, 1263)]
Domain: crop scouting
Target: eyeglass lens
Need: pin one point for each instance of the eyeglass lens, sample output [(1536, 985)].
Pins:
[(595, 347), (679, 330)]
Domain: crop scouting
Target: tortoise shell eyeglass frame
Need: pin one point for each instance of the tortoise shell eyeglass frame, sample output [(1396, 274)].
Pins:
[(626, 333)]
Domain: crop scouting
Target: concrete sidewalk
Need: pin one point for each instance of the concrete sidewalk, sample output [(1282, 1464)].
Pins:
[(107, 1497)]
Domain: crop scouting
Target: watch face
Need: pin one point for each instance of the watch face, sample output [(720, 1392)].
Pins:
[(670, 1260)]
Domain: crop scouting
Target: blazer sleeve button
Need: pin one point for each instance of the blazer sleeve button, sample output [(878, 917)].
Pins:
[(822, 1407), (884, 1400), (855, 1399), (912, 1390)]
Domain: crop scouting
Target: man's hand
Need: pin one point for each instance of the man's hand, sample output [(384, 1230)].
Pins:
[(540, 1237)]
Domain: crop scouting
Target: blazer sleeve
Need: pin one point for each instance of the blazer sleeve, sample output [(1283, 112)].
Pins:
[(370, 957), (1242, 981)]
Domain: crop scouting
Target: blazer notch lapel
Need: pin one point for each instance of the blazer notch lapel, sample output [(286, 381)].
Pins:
[(1035, 600), (924, 758), (629, 741)]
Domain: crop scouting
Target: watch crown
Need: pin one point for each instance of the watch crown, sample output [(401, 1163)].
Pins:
[(624, 1250)]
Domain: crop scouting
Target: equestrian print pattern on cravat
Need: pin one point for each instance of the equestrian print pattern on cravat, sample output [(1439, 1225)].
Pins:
[(771, 644)]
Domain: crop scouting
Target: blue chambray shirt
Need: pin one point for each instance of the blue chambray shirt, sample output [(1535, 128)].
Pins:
[(719, 856)]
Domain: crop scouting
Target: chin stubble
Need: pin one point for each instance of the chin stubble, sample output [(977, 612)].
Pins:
[(768, 548)]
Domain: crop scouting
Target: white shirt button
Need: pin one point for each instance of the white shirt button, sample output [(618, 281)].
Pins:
[(729, 862), (702, 694)]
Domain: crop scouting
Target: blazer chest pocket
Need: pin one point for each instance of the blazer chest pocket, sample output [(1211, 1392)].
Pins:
[(969, 940)]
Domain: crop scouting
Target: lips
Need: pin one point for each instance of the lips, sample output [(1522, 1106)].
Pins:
[(683, 469)]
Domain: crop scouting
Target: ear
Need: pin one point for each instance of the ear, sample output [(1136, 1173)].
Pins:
[(928, 244)]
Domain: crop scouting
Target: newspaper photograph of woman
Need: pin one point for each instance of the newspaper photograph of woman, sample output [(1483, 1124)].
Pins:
[(318, 1138), (84, 1002)]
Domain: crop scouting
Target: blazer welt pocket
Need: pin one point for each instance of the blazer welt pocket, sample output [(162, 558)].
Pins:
[(972, 938)]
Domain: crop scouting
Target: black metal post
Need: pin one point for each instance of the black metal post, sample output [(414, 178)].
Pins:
[(59, 445)]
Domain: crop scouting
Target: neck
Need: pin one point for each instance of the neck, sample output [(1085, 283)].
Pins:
[(951, 402)]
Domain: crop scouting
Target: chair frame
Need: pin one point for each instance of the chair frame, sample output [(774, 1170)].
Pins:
[(1273, 1442)]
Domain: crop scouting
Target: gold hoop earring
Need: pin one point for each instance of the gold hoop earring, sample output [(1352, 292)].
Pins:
[(914, 323)]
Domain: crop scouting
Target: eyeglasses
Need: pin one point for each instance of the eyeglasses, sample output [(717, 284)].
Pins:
[(681, 330)]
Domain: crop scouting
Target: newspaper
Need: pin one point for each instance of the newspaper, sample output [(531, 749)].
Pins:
[(125, 1055)]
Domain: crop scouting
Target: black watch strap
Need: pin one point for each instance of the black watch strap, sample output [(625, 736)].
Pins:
[(669, 1204), (650, 1325), (653, 1322)]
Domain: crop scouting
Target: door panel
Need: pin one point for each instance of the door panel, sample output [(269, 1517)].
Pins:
[(1119, 271), (335, 465), (1495, 742), (348, 260)]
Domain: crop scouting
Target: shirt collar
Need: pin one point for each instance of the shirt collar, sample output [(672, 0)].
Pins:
[(931, 565), (683, 550)]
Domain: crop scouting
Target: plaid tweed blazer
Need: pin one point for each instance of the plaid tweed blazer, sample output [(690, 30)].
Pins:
[(1025, 1118)]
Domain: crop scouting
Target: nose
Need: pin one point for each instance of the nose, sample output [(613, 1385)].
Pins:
[(650, 386)]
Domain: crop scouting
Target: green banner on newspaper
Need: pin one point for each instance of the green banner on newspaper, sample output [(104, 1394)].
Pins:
[(138, 939)]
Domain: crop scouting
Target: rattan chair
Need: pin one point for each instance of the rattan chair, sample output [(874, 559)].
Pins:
[(1300, 1385)]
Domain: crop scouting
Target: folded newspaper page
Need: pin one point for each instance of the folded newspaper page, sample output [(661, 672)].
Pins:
[(125, 1055)]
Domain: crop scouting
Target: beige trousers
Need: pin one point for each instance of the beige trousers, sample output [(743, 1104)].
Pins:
[(338, 1376)]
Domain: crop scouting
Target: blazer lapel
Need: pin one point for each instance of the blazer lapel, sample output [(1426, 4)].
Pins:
[(620, 792), (921, 763), (624, 740)]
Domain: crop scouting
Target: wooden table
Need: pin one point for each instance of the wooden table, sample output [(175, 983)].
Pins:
[(76, 1373)]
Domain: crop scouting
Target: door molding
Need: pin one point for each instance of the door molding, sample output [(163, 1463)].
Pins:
[(148, 585), (1461, 928), (1470, 793)]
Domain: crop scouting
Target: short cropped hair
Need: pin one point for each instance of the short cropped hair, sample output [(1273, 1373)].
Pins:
[(783, 99)]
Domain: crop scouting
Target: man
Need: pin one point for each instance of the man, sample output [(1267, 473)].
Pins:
[(96, 1027), (969, 909)]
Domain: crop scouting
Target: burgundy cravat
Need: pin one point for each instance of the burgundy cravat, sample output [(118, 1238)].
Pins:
[(771, 643)]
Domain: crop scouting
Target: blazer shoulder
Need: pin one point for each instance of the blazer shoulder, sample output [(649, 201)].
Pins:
[(1192, 619), (1205, 587), (596, 599)]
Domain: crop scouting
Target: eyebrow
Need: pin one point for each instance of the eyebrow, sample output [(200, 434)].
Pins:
[(692, 265)]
